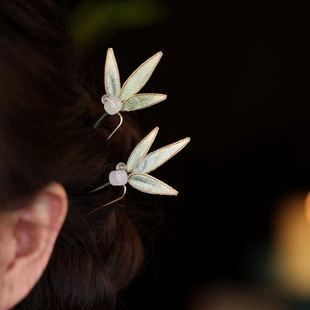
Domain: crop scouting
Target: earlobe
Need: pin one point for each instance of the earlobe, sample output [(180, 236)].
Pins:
[(33, 235)]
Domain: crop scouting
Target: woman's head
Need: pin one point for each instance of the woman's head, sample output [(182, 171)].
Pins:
[(50, 159)]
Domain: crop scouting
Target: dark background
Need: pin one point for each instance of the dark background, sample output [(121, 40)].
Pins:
[(237, 75)]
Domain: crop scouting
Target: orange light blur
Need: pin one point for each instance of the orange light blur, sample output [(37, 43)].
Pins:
[(307, 207)]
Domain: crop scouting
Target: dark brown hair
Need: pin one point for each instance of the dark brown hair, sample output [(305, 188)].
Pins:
[(46, 134)]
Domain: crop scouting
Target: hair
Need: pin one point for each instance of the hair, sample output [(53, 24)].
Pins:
[(47, 115)]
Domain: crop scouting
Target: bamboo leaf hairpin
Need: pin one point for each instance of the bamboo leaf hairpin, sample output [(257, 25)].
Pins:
[(140, 163), (126, 98)]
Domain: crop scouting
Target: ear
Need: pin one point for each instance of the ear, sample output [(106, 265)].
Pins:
[(27, 238)]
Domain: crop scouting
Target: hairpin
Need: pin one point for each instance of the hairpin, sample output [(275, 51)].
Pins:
[(139, 164), (126, 98)]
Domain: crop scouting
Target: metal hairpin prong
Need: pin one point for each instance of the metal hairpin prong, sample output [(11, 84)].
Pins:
[(110, 202), (120, 123)]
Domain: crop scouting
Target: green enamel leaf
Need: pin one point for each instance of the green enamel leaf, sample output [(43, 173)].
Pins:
[(141, 101), (139, 77), (111, 75), (155, 159), (148, 184), (141, 149)]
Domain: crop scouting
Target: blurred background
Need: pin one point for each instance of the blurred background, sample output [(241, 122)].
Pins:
[(237, 76)]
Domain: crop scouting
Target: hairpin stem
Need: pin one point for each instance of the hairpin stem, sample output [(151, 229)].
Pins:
[(101, 187), (100, 120)]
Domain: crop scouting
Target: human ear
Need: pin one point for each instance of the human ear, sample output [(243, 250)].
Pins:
[(27, 238)]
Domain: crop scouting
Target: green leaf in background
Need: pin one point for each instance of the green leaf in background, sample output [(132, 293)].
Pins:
[(93, 20)]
